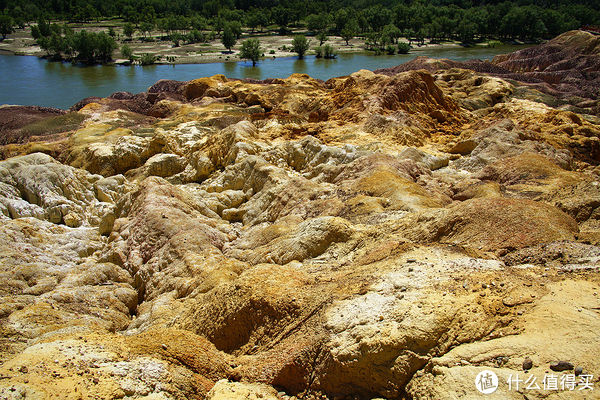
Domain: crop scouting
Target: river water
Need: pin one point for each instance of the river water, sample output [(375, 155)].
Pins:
[(29, 80)]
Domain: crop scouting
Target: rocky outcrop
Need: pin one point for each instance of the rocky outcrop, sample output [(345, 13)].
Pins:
[(380, 235), (569, 63), (38, 186), (566, 68)]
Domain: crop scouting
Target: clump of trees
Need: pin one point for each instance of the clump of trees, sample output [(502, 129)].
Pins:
[(434, 20), (61, 42), (326, 52), (7, 25), (379, 22)]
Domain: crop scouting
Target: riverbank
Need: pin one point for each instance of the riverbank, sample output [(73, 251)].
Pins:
[(273, 45), (35, 81)]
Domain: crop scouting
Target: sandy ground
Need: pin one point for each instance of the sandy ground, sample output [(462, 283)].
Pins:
[(273, 45)]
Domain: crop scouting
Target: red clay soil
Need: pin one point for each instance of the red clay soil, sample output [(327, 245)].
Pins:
[(13, 118)]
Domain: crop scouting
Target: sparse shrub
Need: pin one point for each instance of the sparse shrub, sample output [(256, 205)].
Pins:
[(127, 53), (326, 52), (148, 59), (300, 45), (403, 48)]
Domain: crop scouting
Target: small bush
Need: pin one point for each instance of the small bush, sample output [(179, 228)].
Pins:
[(390, 50), (148, 59), (328, 52), (403, 48), (127, 53)]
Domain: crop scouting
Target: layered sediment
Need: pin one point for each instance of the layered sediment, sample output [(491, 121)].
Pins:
[(386, 234)]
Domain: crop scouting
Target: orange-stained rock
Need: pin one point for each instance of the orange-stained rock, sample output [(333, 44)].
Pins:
[(386, 234)]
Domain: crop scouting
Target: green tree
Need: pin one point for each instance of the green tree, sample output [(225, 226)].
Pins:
[(326, 51), (317, 22), (282, 17), (236, 28), (228, 38), (35, 32), (391, 33), (231, 15), (403, 48), (127, 53), (128, 29), (148, 59), (149, 14), (56, 45), (256, 19), (6, 26), (218, 24), (181, 23), (378, 16), (88, 13), (104, 47), (340, 19), (199, 23), (466, 31), (131, 15), (322, 37), (31, 11), (176, 38), (433, 31), (146, 28), (251, 50), (300, 45), (44, 27), (523, 23), (350, 30), (84, 44)]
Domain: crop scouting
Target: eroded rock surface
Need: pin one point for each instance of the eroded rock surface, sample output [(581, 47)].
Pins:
[(381, 235)]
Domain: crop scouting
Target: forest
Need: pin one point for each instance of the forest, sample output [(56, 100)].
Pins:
[(437, 20)]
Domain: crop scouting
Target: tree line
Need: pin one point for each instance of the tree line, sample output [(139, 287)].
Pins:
[(380, 22), (464, 20), (60, 41)]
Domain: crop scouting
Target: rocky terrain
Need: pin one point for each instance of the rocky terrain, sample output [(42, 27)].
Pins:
[(564, 71), (377, 236)]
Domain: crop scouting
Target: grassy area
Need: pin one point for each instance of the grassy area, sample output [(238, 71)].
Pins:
[(50, 126)]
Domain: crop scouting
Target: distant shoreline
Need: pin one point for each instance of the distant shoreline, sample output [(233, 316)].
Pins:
[(223, 58), (21, 43)]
